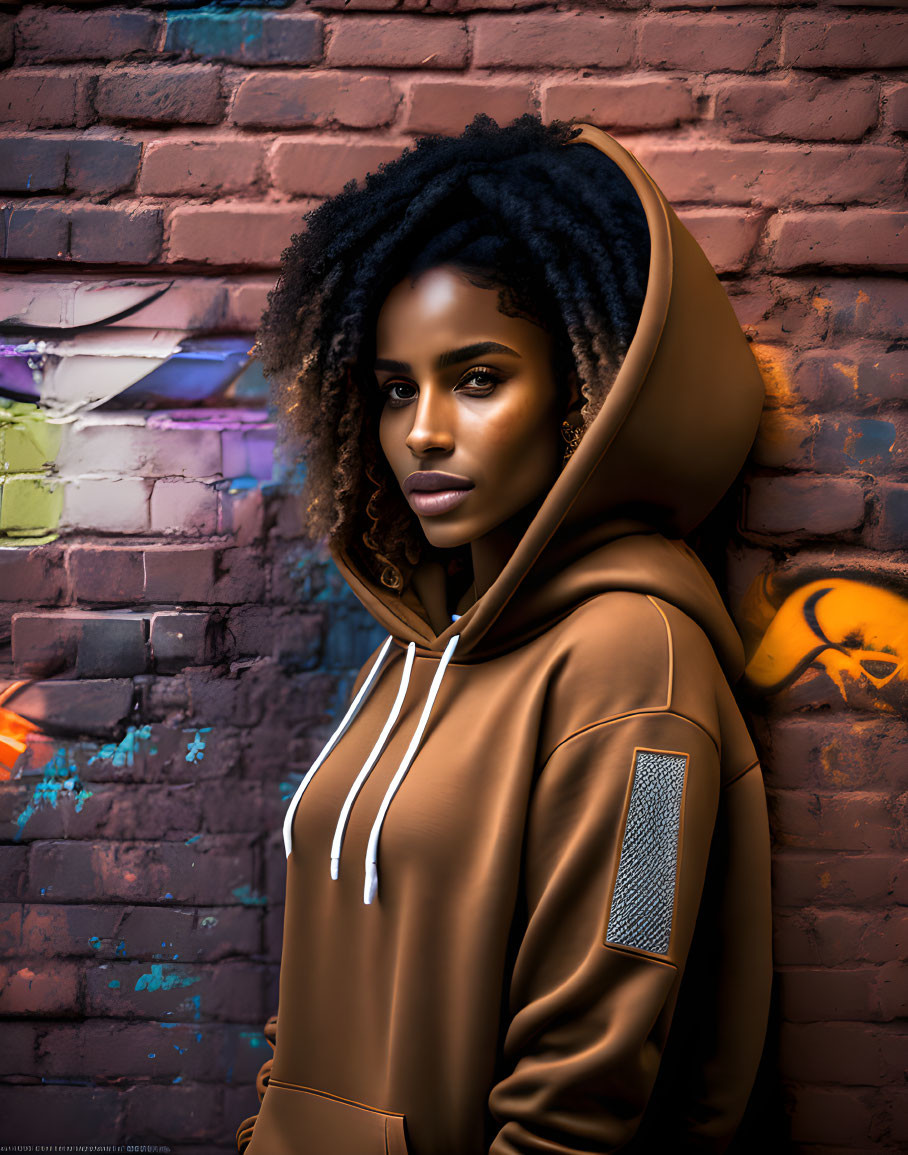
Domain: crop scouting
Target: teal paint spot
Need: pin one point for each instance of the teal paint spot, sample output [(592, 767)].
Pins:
[(197, 1012), (253, 1038), (168, 895), (94, 942), (195, 838), (178, 1079), (181, 1050), (198, 1036), (114, 984), (44, 890), (121, 948), (175, 957), (288, 788), (157, 980), (152, 1055), (248, 897), (196, 749), (209, 920), (123, 753), (870, 442), (167, 1024), (57, 775)]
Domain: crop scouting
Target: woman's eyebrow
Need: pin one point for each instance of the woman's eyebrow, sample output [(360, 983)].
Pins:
[(466, 353)]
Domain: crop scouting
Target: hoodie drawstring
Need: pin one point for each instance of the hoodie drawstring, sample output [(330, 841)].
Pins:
[(371, 883), (372, 851), (351, 713), (370, 762)]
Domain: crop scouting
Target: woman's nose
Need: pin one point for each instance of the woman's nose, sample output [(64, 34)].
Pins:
[(431, 428)]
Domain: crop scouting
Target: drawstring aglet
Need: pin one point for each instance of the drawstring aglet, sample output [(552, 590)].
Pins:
[(335, 867), (371, 886)]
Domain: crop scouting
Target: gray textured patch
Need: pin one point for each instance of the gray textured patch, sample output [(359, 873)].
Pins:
[(641, 914)]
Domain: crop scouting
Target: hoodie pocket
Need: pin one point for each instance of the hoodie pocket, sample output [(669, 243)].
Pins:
[(294, 1120)]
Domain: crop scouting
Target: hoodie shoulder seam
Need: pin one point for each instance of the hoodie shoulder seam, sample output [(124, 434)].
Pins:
[(671, 652), (631, 714)]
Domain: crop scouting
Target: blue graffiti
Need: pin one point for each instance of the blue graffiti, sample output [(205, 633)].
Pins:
[(157, 980), (123, 753), (57, 775), (196, 750)]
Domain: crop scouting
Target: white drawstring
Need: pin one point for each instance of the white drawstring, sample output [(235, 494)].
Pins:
[(331, 743), (371, 885), (370, 762)]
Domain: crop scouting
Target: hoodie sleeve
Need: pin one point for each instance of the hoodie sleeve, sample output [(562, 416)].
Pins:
[(618, 838)]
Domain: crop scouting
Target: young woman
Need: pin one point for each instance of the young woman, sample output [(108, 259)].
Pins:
[(528, 876)]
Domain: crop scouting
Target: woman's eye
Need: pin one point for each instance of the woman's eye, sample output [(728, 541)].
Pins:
[(390, 390), (482, 380)]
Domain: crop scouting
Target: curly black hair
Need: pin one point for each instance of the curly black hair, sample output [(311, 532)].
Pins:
[(559, 231)]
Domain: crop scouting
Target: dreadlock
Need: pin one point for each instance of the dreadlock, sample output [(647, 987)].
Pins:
[(558, 231)]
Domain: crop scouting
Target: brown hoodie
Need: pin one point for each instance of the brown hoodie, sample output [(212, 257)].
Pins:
[(549, 929)]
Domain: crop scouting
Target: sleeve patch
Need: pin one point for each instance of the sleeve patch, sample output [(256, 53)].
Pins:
[(644, 895)]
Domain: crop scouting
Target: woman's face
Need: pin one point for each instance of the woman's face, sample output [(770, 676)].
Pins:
[(471, 418)]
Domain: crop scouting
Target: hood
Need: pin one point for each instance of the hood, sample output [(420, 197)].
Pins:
[(669, 439)]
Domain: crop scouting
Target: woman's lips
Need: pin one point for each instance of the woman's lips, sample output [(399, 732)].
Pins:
[(434, 491), (437, 501)]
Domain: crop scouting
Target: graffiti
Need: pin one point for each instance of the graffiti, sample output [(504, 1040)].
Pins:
[(157, 980), (58, 777), (856, 631)]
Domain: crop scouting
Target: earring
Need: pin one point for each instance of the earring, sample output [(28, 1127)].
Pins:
[(572, 434)]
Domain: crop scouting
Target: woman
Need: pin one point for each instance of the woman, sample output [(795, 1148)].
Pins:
[(528, 876)]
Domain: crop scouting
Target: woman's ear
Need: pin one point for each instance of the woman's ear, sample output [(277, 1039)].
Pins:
[(575, 397)]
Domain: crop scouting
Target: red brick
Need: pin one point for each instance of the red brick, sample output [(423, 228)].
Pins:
[(68, 1114), (855, 821), (858, 754), (447, 106), (890, 528), (201, 167), (322, 167), (843, 1053), (183, 573), (84, 706), (808, 506), (148, 872), (49, 989), (245, 37), (650, 102), (162, 990), (708, 42), (176, 1114), (104, 234), (32, 574), (396, 42), (860, 307), (802, 107), (32, 164), (854, 376), (855, 40), (555, 39), (45, 98), (766, 175), (101, 166), (238, 234), (18, 1055), (844, 937), (175, 93), (727, 236), (45, 642), (105, 573), (111, 1050), (871, 238), (7, 23), (34, 232), (819, 995), (896, 106), (60, 35), (246, 301), (286, 100)]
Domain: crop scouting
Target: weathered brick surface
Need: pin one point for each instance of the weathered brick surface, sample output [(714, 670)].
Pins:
[(45, 97), (176, 94), (290, 100), (245, 37), (140, 835)]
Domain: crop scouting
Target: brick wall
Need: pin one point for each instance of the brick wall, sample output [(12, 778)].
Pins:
[(172, 652)]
